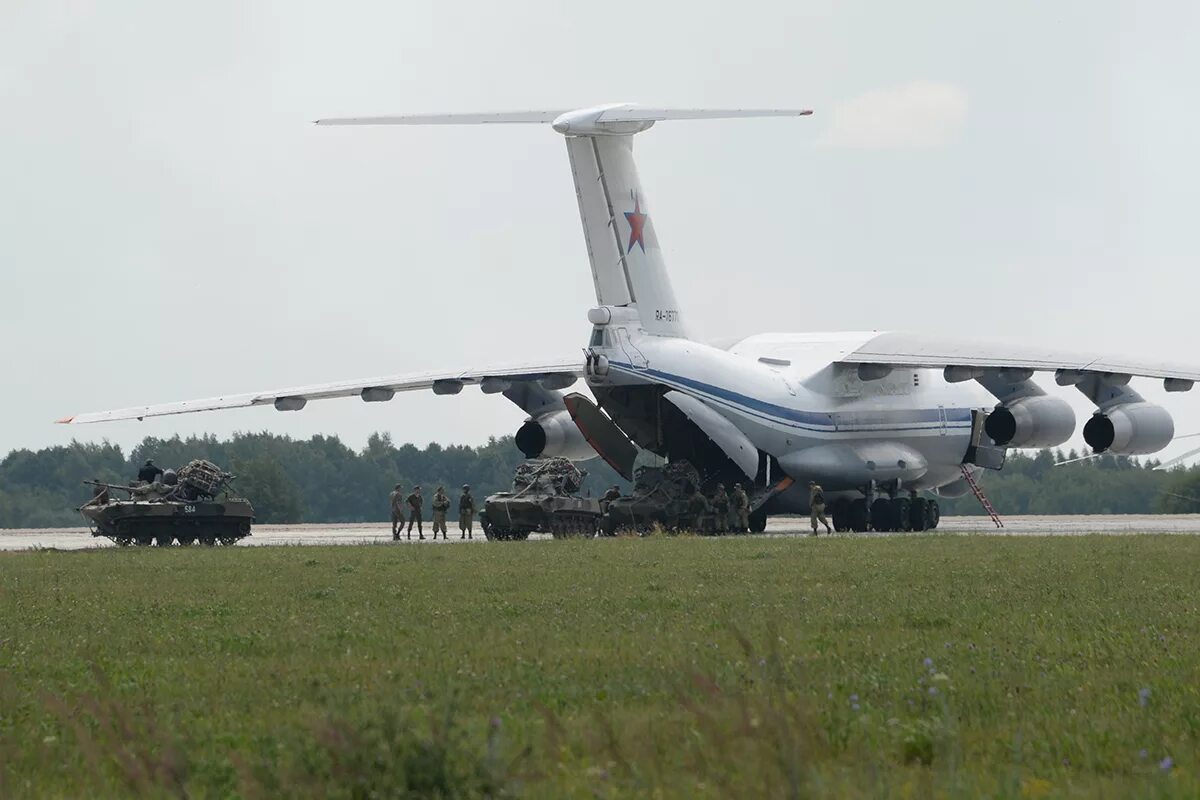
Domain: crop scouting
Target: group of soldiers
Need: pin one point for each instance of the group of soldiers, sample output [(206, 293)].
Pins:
[(414, 505), (730, 513), (724, 512)]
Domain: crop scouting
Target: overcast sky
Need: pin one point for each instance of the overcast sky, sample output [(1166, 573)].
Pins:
[(171, 225)]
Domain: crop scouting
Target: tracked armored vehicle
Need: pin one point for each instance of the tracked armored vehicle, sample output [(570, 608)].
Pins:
[(544, 498), (195, 505), (661, 497)]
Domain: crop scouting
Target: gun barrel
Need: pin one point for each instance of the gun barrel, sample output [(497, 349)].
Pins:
[(108, 485)]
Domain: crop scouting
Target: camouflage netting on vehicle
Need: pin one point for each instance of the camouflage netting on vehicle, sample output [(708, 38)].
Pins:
[(662, 497), (203, 476), (548, 475), (677, 479)]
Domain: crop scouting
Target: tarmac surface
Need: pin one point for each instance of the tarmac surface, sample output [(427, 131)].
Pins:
[(380, 532)]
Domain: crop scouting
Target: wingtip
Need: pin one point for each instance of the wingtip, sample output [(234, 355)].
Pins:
[(65, 420), (806, 112)]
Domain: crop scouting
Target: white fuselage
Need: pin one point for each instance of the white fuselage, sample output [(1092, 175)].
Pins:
[(789, 395)]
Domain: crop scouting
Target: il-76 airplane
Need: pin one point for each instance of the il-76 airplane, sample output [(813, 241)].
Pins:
[(878, 419)]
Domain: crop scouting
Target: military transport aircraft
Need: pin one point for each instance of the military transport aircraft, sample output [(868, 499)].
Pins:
[(876, 418)]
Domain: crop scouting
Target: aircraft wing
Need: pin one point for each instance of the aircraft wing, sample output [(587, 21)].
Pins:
[(549, 374), (914, 350)]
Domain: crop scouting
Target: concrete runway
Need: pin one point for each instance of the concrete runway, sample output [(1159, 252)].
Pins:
[(380, 532)]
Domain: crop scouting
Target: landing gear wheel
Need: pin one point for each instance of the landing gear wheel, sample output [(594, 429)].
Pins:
[(859, 518), (186, 540), (839, 513), (164, 539), (145, 541), (758, 522), (881, 515), (935, 514), (901, 511), (918, 514)]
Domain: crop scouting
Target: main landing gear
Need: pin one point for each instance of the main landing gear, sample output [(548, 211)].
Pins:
[(891, 514)]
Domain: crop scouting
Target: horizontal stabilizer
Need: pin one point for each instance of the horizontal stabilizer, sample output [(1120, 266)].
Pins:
[(500, 117), (634, 113), (600, 116)]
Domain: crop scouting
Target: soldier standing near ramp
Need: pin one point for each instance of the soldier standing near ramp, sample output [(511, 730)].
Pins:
[(698, 510), (741, 507), (415, 504), (720, 507), (440, 505), (466, 513), (816, 506), (397, 503)]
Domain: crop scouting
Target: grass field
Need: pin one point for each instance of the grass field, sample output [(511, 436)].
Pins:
[(895, 667)]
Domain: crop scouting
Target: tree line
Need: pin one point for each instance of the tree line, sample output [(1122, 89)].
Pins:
[(288, 480), (321, 479)]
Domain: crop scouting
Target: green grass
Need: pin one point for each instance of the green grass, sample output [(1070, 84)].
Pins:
[(659, 667)]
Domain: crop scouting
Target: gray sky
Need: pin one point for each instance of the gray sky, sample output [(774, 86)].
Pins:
[(171, 225)]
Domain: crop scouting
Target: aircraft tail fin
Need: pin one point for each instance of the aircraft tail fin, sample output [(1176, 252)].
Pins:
[(627, 263)]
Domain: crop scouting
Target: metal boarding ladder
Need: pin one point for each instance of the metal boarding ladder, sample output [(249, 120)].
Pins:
[(977, 490)]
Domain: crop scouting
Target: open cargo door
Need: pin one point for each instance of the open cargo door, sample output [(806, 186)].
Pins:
[(609, 441)]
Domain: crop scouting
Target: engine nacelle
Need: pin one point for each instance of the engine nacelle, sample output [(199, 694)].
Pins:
[(1133, 429), (553, 435), (1040, 421)]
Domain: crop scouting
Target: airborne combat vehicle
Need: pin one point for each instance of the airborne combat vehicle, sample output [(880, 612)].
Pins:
[(195, 505), (544, 498), (661, 497)]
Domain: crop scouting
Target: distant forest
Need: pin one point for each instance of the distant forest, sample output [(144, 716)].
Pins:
[(288, 480), (323, 480)]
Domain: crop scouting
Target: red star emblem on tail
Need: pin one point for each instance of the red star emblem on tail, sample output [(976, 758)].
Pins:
[(637, 225)]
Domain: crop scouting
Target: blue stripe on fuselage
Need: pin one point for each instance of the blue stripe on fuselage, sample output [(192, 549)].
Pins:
[(811, 420)]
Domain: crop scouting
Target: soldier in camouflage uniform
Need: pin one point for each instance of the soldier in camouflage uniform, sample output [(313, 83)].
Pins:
[(720, 507), (816, 506), (415, 506), (698, 511), (440, 504), (466, 513), (741, 508), (397, 504), (613, 493)]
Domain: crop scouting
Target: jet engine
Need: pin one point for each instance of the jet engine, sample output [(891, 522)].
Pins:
[(1034, 421), (553, 434), (1130, 429)]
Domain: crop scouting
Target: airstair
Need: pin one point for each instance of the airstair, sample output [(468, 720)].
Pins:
[(977, 490)]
